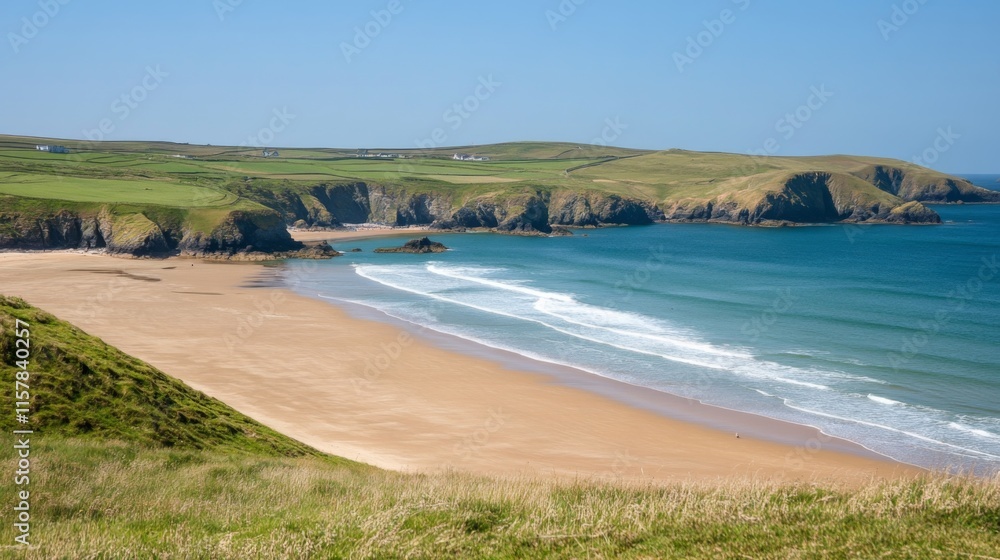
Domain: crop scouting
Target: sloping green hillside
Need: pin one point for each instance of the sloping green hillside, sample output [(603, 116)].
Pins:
[(84, 388), (684, 180)]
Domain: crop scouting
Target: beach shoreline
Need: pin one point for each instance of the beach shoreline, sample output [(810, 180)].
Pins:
[(384, 395), (306, 236), (669, 405)]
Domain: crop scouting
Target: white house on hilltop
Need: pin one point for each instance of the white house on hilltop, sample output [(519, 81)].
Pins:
[(52, 149), (362, 153), (467, 157)]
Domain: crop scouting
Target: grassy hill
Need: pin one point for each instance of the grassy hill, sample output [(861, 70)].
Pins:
[(82, 189), (85, 388), (660, 176), (232, 198), (129, 463)]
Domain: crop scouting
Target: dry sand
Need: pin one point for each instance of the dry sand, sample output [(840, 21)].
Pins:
[(369, 391)]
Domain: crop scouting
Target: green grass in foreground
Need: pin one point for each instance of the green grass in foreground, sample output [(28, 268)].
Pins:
[(116, 500), (130, 463)]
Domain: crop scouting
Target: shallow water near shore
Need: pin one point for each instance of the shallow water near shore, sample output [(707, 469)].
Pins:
[(887, 336)]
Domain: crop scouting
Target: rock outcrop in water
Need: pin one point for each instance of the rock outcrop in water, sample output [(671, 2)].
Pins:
[(415, 246)]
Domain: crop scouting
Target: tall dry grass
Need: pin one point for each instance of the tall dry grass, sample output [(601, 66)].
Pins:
[(113, 500)]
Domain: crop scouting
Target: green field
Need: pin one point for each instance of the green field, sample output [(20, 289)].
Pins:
[(677, 173), (658, 176), (294, 165), (79, 189)]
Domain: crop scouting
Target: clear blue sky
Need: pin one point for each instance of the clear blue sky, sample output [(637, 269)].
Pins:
[(559, 79)]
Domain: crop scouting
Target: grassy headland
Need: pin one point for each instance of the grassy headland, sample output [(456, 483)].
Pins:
[(128, 462), (50, 200)]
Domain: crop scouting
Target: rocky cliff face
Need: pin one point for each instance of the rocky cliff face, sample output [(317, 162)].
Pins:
[(402, 208), (139, 234), (520, 213), (806, 198), (529, 211), (29, 231), (814, 197), (351, 203), (242, 231), (134, 234), (926, 187), (569, 208)]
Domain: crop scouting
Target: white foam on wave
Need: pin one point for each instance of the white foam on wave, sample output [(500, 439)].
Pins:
[(856, 362), (499, 285), (457, 333), (468, 287), (914, 435), (477, 270), (668, 342), (438, 297), (801, 383), (867, 379), (883, 400), (669, 346), (592, 317), (973, 431)]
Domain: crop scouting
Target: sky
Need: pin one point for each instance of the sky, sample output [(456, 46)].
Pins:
[(916, 80)]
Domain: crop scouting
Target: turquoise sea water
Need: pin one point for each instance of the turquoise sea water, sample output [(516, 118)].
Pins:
[(888, 336)]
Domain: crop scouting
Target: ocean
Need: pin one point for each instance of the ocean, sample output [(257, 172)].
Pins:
[(884, 335)]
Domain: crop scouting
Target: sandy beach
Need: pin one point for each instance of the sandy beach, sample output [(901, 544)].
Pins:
[(375, 393), (347, 234)]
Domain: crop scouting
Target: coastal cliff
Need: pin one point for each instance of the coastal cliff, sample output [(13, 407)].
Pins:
[(815, 197), (925, 187), (880, 194), (226, 202), (524, 210), (140, 232)]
